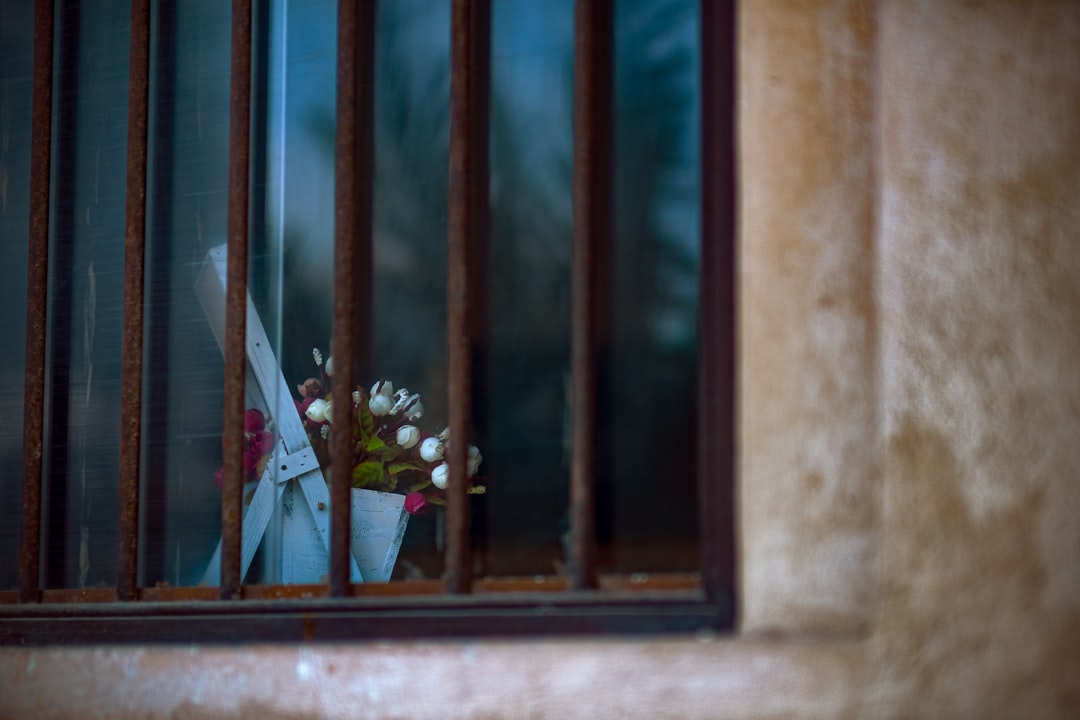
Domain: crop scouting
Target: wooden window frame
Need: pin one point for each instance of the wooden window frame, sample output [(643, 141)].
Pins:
[(458, 606)]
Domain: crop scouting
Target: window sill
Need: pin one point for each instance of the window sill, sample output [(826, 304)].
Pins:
[(638, 605)]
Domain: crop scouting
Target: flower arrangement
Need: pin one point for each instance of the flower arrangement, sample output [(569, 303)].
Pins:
[(390, 453)]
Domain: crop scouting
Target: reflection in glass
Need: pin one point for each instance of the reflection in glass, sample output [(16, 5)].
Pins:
[(646, 482)]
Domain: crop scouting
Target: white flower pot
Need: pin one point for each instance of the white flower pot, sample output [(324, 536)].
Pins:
[(378, 526)]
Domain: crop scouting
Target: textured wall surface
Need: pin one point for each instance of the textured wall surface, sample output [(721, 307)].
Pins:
[(980, 315), (910, 413), (808, 475), (660, 679)]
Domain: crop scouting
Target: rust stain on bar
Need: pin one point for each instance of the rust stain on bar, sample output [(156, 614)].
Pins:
[(37, 273), (716, 362), (236, 299), (593, 130), (352, 257), (134, 262), (470, 80)]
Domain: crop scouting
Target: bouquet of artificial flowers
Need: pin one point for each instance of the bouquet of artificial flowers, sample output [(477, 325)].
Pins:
[(390, 453)]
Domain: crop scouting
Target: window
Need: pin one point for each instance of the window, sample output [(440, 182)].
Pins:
[(576, 359)]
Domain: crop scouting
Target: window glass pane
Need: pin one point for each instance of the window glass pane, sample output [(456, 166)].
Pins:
[(523, 415), (646, 455), (16, 88), (85, 296), (647, 462), (186, 217), (408, 345), (646, 484), (186, 211)]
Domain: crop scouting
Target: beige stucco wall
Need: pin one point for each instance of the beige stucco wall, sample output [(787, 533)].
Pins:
[(909, 483)]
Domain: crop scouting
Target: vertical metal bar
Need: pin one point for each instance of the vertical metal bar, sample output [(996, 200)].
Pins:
[(134, 262), (593, 131), (717, 353), (37, 273), (470, 80), (352, 257), (236, 299)]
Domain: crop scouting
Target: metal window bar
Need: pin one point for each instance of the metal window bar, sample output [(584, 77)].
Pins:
[(470, 81), (352, 253), (467, 241), (134, 261), (592, 203), (37, 277), (236, 299)]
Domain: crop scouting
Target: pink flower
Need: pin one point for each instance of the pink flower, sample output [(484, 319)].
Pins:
[(416, 503), (261, 442), (254, 420)]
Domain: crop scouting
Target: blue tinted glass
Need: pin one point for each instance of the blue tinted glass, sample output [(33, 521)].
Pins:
[(16, 87), (646, 453)]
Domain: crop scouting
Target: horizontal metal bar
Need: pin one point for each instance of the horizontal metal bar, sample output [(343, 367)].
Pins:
[(335, 620), (620, 583)]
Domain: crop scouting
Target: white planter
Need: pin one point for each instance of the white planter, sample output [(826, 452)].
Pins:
[(378, 526)]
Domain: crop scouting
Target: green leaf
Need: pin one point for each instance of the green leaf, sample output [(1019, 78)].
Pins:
[(416, 487), (367, 474), (404, 466), (374, 444)]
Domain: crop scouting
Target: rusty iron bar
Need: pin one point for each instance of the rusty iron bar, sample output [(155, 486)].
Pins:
[(593, 131), (134, 264), (352, 258), (717, 352), (236, 300), (470, 83), (37, 274)]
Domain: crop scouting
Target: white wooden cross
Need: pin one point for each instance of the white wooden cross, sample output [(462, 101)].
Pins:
[(292, 478)]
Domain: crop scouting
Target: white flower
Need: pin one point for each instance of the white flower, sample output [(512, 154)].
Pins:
[(405, 401), (475, 458), (355, 397), (324, 431), (432, 449), (328, 412), (380, 405), (408, 436), (330, 366), (382, 398), (440, 476), (443, 434), (317, 354), (416, 411), (317, 410)]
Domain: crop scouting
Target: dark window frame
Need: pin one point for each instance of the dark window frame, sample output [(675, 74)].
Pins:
[(583, 601)]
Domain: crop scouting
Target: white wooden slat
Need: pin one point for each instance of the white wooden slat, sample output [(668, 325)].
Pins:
[(258, 512), (267, 390)]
